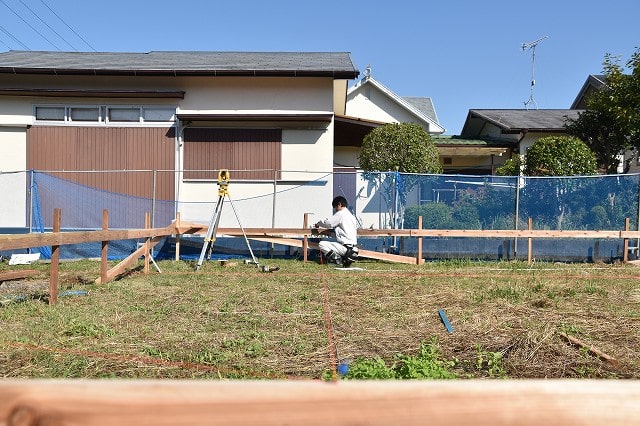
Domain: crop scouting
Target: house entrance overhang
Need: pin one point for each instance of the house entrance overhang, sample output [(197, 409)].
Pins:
[(350, 131)]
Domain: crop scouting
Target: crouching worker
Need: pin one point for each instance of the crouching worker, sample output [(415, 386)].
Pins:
[(345, 227)]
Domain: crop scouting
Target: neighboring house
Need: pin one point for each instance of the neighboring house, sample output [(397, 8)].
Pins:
[(518, 128), (183, 113), (592, 84)]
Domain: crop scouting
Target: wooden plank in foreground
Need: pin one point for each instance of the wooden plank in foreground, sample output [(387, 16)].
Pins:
[(373, 402), (17, 275), (362, 253)]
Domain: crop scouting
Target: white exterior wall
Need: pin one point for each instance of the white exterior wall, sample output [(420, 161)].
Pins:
[(369, 103), (13, 179)]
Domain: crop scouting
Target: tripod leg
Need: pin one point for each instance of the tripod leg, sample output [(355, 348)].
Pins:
[(210, 235), (243, 233)]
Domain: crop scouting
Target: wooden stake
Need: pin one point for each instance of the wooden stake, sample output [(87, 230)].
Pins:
[(177, 236), (530, 244), (55, 259), (419, 259), (305, 239), (104, 267), (625, 245), (147, 225)]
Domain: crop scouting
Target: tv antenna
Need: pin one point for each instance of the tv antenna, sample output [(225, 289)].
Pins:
[(532, 46)]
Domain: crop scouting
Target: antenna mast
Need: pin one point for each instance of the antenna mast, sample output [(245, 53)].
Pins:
[(526, 46)]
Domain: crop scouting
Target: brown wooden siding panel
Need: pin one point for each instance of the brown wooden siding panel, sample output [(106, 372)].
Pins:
[(208, 150), (59, 148)]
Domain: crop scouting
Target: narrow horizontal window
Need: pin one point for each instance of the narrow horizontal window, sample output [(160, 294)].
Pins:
[(84, 114), (53, 113), (129, 114), (158, 114)]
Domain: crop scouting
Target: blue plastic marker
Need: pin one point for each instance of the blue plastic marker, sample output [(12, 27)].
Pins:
[(445, 321)]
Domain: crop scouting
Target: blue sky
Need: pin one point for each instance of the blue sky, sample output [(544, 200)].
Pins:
[(461, 54)]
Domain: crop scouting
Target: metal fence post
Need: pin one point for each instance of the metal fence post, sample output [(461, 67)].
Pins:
[(153, 199)]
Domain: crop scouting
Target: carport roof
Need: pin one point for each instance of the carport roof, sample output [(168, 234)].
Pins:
[(337, 65)]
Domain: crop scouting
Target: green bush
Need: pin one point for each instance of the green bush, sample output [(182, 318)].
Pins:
[(434, 216)]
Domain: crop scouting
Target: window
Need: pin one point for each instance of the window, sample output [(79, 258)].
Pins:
[(131, 114), (105, 114), (158, 114), (247, 153), (84, 114), (50, 113)]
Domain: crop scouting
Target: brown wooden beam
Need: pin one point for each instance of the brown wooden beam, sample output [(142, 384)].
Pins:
[(55, 260), (270, 402), (13, 241), (17, 275), (128, 261), (362, 253)]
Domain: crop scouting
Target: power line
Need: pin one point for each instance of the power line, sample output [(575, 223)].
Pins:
[(62, 20), (48, 26), (14, 39), (29, 25), (6, 45)]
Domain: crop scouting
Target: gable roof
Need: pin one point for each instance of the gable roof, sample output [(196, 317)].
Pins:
[(423, 104), (419, 107), (290, 64), (593, 82), (518, 120)]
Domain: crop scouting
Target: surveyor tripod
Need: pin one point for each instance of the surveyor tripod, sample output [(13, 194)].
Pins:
[(223, 191)]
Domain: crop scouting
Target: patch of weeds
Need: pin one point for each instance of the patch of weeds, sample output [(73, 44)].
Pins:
[(571, 329), (253, 320), (593, 289), (297, 346), (78, 327), (491, 362), (232, 343), (507, 293), (208, 358), (374, 368), (586, 372), (284, 306), (425, 365), (71, 368), (537, 288), (564, 293), (254, 350), (154, 352)]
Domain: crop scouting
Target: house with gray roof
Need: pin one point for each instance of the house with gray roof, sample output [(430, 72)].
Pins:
[(268, 117)]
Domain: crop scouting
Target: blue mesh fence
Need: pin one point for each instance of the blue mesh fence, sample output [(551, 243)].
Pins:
[(379, 200)]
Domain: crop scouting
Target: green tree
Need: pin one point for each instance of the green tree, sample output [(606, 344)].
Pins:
[(559, 156), (511, 167), (611, 123), (393, 149), (405, 147)]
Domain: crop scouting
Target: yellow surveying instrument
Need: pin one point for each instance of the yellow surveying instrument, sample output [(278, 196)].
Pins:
[(223, 191)]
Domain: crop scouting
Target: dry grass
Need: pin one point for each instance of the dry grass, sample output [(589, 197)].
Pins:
[(236, 322)]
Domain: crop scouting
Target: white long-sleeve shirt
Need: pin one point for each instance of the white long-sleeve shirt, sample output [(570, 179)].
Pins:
[(345, 226)]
